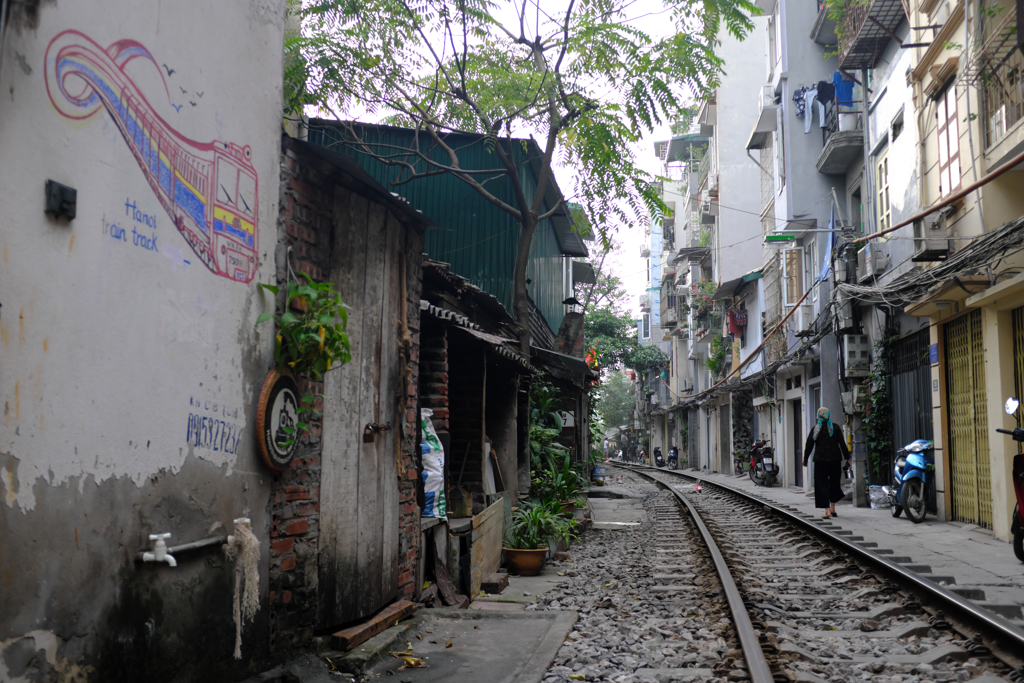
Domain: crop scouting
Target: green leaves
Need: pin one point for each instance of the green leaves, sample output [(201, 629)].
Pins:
[(311, 340), (592, 79)]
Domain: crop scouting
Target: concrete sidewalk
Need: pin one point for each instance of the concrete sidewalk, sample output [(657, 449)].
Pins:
[(975, 563)]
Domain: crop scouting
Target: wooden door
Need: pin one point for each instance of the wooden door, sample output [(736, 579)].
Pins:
[(358, 551)]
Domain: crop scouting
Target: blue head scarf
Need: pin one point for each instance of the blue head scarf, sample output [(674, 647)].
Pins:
[(823, 418)]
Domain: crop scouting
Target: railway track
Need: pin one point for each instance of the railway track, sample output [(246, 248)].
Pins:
[(808, 605)]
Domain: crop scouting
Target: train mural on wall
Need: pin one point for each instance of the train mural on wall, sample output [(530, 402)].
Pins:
[(208, 189)]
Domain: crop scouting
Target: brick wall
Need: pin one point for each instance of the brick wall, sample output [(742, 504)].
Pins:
[(305, 225), (409, 510), (434, 375)]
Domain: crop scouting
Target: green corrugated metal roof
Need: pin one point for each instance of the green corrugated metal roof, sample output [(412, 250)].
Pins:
[(477, 238)]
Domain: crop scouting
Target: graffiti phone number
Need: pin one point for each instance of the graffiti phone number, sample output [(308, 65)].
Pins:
[(209, 432)]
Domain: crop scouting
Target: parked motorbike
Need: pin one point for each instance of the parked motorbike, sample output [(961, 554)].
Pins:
[(910, 485), (1017, 522), (764, 471), (673, 458), (659, 459)]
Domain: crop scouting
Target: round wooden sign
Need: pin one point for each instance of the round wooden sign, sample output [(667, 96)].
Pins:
[(278, 408)]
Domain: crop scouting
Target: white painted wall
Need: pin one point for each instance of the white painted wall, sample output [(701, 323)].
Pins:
[(111, 350)]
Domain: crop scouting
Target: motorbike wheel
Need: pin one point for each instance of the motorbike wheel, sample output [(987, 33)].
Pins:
[(914, 501), (1018, 545), (673, 464), (753, 475)]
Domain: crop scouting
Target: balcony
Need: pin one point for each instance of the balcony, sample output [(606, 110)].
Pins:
[(767, 119), (703, 169), (645, 303), (842, 140), (824, 30), (866, 31)]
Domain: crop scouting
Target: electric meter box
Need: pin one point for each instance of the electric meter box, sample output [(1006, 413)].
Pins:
[(856, 355)]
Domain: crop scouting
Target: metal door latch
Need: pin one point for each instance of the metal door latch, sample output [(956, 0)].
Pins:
[(371, 430)]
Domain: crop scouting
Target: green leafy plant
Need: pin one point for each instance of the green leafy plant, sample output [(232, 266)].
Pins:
[(700, 295), (878, 418), (533, 526), (844, 14), (717, 351), (545, 427), (310, 340), (559, 485)]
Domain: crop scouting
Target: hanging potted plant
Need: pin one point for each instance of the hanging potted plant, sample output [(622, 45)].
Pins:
[(310, 339)]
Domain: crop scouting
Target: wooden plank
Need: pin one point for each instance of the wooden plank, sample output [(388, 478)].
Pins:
[(348, 638), (495, 583), (339, 483), (485, 545), (445, 584), (390, 440), (371, 535)]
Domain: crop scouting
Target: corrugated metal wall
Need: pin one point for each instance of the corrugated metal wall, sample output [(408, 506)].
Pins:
[(477, 238)]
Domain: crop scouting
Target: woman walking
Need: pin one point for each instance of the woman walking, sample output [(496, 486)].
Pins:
[(830, 451)]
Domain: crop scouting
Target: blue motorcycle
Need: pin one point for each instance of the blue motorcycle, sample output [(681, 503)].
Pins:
[(910, 489)]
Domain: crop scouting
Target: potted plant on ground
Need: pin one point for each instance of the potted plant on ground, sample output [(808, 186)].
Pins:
[(526, 543), (561, 488)]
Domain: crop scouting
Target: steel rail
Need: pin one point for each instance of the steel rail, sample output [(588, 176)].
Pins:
[(757, 665), (1009, 636)]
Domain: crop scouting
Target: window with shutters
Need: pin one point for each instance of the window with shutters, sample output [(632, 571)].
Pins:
[(949, 142), (792, 275)]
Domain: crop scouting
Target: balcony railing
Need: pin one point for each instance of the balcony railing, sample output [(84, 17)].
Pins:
[(842, 138), (703, 169), (865, 30)]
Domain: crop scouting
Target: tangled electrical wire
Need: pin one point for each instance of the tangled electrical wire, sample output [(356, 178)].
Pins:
[(915, 285)]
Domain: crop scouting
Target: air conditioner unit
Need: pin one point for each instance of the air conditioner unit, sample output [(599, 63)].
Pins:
[(856, 355), (682, 290), (931, 241), (806, 313), (713, 184), (645, 251), (871, 261)]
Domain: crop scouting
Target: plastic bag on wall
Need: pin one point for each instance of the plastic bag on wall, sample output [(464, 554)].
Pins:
[(435, 504)]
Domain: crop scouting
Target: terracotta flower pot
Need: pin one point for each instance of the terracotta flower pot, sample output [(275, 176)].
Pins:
[(525, 562), (567, 508)]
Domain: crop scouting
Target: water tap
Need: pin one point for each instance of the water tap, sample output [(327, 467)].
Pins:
[(160, 553)]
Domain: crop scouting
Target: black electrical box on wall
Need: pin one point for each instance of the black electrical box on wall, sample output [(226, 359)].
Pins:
[(61, 200)]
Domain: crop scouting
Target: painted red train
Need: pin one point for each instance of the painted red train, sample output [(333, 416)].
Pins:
[(208, 189)]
